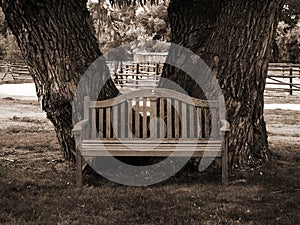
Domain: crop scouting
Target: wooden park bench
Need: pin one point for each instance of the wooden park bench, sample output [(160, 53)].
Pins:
[(121, 123)]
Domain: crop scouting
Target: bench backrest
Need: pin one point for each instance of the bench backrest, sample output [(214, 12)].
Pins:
[(159, 113)]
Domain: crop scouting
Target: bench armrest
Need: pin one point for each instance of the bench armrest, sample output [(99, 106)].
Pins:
[(225, 126), (79, 127)]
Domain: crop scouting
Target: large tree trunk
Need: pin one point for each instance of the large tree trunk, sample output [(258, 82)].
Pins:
[(234, 38), (57, 41), (191, 29)]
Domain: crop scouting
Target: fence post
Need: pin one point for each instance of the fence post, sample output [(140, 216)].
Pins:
[(157, 69), (291, 81), (156, 72), (137, 77), (120, 77)]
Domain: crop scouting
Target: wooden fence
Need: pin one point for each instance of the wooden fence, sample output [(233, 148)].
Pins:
[(14, 72), (283, 77), (136, 75)]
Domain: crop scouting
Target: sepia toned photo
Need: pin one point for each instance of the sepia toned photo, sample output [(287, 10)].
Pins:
[(149, 112)]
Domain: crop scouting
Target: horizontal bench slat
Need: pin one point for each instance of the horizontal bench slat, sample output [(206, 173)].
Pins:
[(150, 141), (155, 148), (159, 92), (149, 147), (151, 153)]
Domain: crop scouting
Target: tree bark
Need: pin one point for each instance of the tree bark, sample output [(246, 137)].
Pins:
[(191, 29), (234, 38), (57, 41), (275, 52)]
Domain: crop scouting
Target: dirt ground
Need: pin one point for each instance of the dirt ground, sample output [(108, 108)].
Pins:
[(38, 187)]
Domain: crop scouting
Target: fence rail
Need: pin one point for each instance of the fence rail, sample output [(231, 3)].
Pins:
[(136, 75), (14, 72), (283, 77)]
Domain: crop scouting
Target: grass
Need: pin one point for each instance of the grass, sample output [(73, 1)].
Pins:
[(37, 187)]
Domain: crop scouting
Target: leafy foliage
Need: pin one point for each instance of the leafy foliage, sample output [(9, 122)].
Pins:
[(287, 45), (9, 50), (288, 32), (291, 13), (122, 3), (288, 42), (116, 26)]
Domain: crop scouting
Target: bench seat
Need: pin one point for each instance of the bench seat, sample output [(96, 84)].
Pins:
[(152, 148)]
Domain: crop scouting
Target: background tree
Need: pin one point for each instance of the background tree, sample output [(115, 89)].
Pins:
[(290, 13), (133, 24), (288, 42), (287, 45), (9, 50)]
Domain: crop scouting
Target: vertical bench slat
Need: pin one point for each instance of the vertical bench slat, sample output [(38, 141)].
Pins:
[(161, 115), (214, 121), (101, 117), (222, 108), (130, 128), (153, 112), (144, 125), (199, 122), (122, 118), (184, 120), (191, 121), (206, 122), (169, 118), (93, 119), (86, 114), (107, 122), (137, 118), (115, 121), (176, 115)]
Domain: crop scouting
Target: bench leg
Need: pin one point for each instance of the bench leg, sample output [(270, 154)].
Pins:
[(78, 168), (225, 162)]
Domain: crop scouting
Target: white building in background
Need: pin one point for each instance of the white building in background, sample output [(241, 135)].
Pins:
[(157, 57)]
